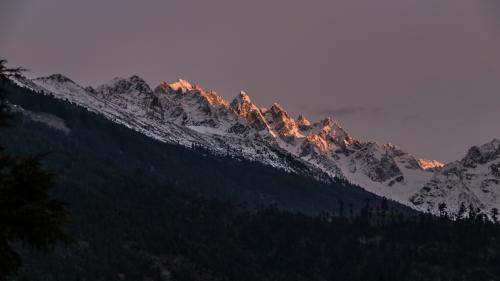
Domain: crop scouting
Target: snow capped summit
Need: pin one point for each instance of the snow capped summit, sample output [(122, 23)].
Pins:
[(242, 105), (189, 105), (121, 86), (132, 94), (180, 85), (284, 125), (182, 89), (242, 97), (474, 180), (331, 131), (61, 87)]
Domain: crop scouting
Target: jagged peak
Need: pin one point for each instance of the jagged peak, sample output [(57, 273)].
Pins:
[(244, 96), (124, 85), (278, 112), (390, 146), (182, 89), (132, 79), (492, 145), (242, 104), (136, 78), (241, 98), (329, 128), (57, 77), (212, 97), (302, 121), (330, 122), (483, 153), (245, 109), (279, 120), (182, 85), (277, 108)]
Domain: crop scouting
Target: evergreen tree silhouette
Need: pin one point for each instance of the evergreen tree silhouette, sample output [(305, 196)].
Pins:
[(461, 211), (28, 215), (341, 208), (384, 207), (443, 212), (494, 215)]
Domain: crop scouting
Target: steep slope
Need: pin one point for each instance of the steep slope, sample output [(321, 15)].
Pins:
[(474, 180), (136, 202), (92, 154), (137, 213), (174, 113), (186, 114)]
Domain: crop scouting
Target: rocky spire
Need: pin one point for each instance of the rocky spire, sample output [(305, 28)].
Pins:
[(303, 123), (243, 105), (281, 122)]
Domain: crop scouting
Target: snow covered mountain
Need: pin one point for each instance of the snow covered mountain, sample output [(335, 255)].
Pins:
[(183, 113), (173, 113), (473, 180)]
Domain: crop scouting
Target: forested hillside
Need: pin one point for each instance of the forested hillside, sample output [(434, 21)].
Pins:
[(145, 210)]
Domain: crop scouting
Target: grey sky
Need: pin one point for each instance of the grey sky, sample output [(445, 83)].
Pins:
[(422, 74)]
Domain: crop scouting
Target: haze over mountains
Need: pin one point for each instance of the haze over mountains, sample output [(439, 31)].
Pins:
[(186, 114)]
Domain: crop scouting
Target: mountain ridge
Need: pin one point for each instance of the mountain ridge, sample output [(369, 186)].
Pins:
[(180, 112)]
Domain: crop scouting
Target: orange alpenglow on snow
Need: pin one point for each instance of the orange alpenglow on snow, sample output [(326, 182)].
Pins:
[(429, 164)]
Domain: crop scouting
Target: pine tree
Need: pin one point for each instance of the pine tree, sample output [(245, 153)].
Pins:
[(27, 212), (341, 208), (384, 206), (443, 212), (461, 211), (494, 215), (472, 212)]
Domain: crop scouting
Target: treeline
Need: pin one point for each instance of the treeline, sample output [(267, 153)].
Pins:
[(468, 212), (184, 237)]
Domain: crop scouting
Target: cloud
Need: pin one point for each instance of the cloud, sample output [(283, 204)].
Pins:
[(352, 110)]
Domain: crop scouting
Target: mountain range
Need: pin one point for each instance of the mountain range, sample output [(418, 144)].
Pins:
[(185, 114)]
